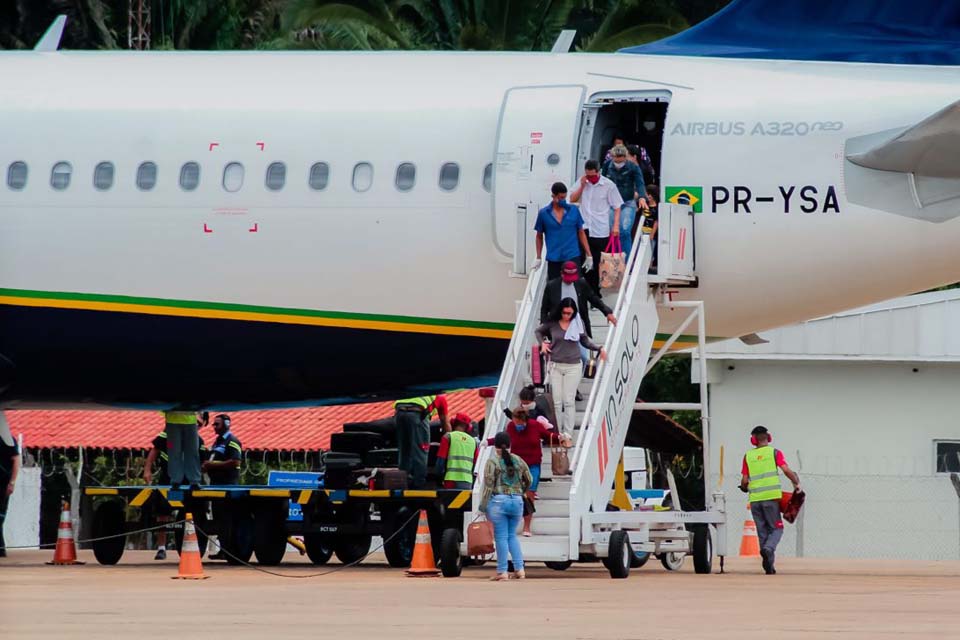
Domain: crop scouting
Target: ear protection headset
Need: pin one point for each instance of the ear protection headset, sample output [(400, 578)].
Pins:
[(226, 420), (757, 431)]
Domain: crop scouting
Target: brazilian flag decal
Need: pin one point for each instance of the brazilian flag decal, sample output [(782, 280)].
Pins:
[(692, 196)]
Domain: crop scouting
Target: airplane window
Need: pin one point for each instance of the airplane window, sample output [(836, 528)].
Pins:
[(60, 176), (362, 176), (276, 176), (449, 176), (17, 175), (488, 177), (233, 177), (406, 176), (319, 175), (103, 176), (147, 176), (189, 176)]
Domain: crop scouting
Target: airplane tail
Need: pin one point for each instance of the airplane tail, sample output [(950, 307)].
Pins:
[(923, 32)]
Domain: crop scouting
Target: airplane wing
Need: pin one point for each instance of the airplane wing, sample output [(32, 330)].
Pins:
[(928, 148)]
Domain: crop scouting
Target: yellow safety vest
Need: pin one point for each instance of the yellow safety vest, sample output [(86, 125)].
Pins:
[(180, 417), (460, 457), (764, 478), (423, 402)]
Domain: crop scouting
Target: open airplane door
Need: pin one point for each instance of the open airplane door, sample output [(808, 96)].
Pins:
[(536, 146)]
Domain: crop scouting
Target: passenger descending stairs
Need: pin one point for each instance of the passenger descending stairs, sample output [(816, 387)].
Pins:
[(603, 416)]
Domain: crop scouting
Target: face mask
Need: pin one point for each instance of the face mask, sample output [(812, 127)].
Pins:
[(562, 202), (593, 179), (530, 407), (520, 426), (619, 165)]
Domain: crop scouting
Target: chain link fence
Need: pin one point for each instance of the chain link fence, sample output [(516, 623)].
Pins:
[(863, 516)]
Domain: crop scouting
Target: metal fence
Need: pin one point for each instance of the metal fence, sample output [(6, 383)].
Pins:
[(865, 516)]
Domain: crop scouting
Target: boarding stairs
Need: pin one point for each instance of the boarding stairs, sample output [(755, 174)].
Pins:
[(572, 520)]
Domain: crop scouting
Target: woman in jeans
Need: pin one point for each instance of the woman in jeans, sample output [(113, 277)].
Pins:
[(560, 338), (506, 478)]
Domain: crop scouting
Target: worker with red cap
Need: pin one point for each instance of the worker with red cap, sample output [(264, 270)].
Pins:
[(457, 454)]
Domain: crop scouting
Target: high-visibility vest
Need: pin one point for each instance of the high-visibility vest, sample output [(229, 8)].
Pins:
[(423, 402), (764, 479), (180, 417), (460, 457)]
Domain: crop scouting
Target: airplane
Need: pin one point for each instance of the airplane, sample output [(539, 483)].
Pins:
[(234, 229)]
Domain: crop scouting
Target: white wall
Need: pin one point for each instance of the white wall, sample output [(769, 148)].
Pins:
[(22, 526), (864, 433)]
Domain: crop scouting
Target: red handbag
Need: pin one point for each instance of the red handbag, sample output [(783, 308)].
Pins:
[(480, 538)]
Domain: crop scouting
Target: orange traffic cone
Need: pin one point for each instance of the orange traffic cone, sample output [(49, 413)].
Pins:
[(423, 565), (66, 551), (750, 544), (190, 566)]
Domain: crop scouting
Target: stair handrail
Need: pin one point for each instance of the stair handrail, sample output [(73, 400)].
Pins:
[(521, 344), (642, 245)]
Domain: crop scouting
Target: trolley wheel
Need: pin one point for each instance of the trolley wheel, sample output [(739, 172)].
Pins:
[(702, 549), (238, 539), (351, 549), (200, 526), (558, 565), (672, 561), (619, 555), (451, 562), (319, 549), (270, 536), (109, 519), (399, 548), (639, 559)]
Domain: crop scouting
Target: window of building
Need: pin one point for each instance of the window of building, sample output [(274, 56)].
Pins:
[(276, 176), (449, 176), (233, 177), (189, 176), (60, 176), (103, 176), (406, 176), (319, 175), (17, 175), (948, 455), (146, 176), (488, 177), (362, 176)]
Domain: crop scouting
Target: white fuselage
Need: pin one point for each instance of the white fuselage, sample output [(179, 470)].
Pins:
[(426, 252)]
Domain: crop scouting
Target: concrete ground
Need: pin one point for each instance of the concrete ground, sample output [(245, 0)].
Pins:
[(807, 599)]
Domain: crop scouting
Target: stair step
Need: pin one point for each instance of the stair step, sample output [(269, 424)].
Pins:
[(551, 508), (545, 548), (549, 526), (556, 489)]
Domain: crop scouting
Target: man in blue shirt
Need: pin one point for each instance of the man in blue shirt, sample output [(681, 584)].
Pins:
[(562, 225)]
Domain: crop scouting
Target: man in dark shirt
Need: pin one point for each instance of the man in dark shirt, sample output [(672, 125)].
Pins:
[(9, 469), (223, 467)]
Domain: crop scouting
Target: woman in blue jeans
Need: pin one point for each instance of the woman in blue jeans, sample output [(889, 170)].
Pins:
[(506, 479)]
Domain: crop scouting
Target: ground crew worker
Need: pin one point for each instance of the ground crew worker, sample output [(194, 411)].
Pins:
[(158, 505), (182, 428), (413, 433), (761, 481), (457, 455), (223, 467)]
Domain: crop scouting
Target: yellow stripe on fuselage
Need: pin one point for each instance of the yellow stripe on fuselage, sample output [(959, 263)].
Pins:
[(251, 316)]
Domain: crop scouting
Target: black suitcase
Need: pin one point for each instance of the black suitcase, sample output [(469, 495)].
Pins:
[(357, 442), (386, 427), (339, 468), (382, 458)]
